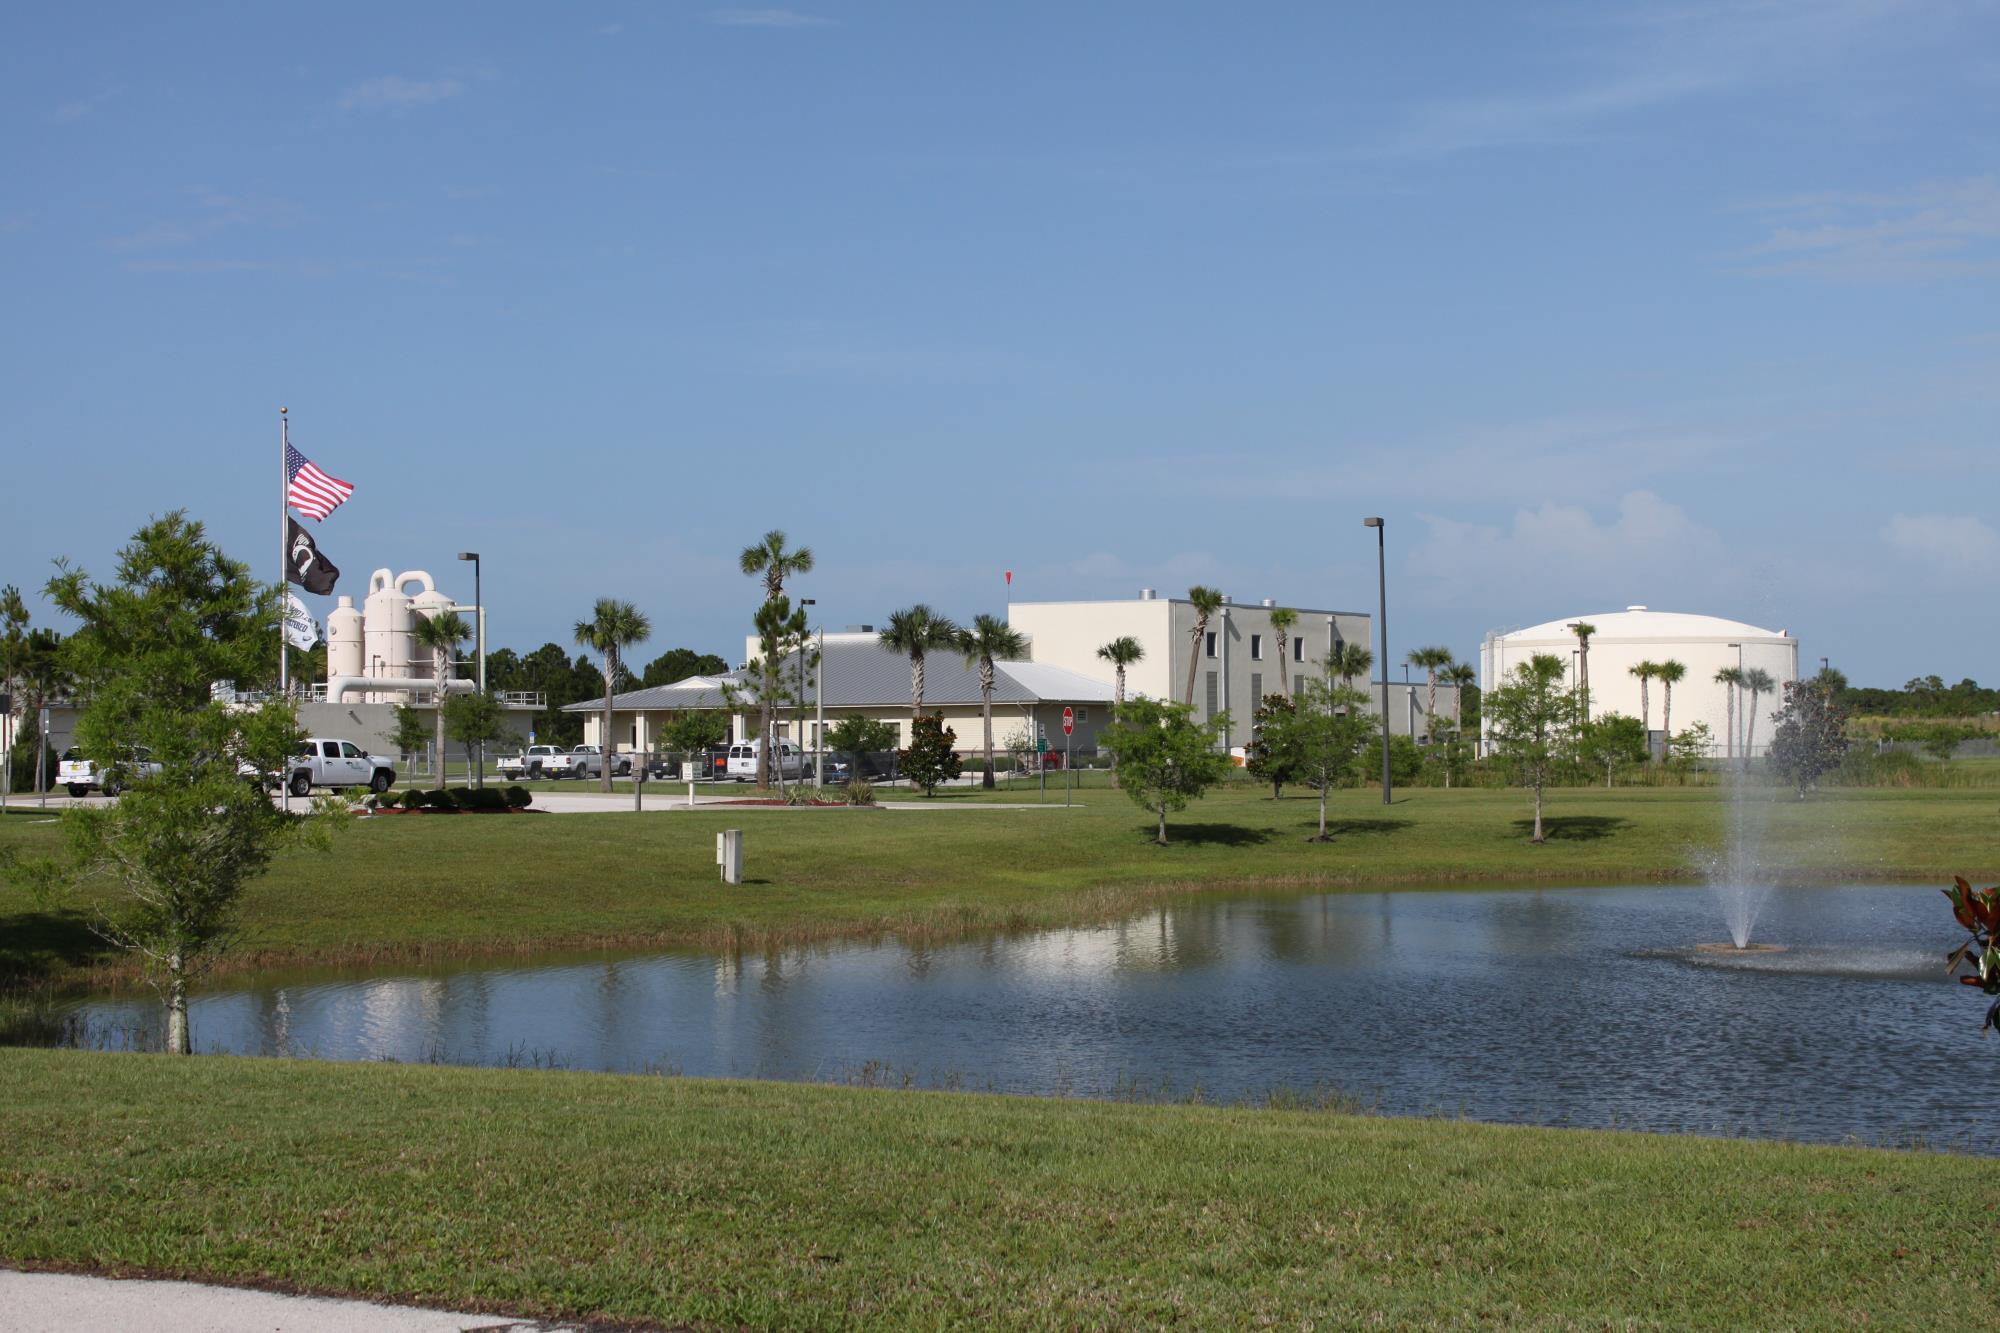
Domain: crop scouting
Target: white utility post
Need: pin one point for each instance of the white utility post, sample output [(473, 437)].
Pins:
[(819, 712), (729, 855)]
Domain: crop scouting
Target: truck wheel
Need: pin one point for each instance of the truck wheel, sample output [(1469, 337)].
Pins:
[(535, 772), (380, 782), (78, 789), (301, 783), (113, 787)]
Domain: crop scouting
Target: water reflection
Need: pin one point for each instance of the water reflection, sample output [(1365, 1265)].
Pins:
[(1565, 1006)]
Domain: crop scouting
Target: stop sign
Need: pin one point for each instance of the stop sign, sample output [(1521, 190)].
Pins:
[(1069, 720)]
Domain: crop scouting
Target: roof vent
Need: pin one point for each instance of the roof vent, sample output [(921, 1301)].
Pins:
[(1635, 608), (1148, 594), (859, 629), (1270, 601), (1227, 600)]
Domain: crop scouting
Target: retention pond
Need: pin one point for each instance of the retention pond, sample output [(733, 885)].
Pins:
[(1559, 1006)]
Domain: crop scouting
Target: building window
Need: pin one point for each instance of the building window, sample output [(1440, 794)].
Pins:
[(1212, 707), (1211, 643), (1298, 650), (1256, 690), (1256, 647), (1082, 713)]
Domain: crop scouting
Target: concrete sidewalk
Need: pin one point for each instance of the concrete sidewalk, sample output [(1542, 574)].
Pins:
[(65, 1301)]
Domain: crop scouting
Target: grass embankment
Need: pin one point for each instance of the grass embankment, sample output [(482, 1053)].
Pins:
[(769, 1205), (465, 885)]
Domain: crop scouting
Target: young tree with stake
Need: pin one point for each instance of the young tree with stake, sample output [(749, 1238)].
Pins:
[(1531, 718), (1165, 757)]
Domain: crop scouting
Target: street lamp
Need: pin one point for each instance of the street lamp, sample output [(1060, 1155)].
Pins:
[(1382, 587)]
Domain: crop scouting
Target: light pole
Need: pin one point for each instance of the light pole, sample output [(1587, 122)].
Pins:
[(479, 647), (1382, 588), (1736, 710)]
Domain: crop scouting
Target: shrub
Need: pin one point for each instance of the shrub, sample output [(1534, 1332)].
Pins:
[(519, 798), (412, 798), (462, 798), (798, 794), (858, 791), (439, 799)]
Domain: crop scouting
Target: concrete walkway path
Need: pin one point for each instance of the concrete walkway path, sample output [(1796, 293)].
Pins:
[(33, 1302)]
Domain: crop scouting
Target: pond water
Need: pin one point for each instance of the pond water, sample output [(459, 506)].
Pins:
[(1555, 1006)]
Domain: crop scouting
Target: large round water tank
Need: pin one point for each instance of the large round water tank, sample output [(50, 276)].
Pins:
[(386, 618), (345, 655), (427, 603)]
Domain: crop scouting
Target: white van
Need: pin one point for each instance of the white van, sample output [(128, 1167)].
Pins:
[(789, 764)]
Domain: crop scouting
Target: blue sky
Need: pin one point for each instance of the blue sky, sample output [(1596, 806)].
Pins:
[(1692, 305)]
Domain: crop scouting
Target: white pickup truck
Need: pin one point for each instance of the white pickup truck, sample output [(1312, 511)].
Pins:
[(587, 761), (537, 761), (326, 762), (81, 775)]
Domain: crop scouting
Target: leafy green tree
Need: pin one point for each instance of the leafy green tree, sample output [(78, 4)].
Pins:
[(1432, 659), (1611, 743), (692, 732), (1207, 601), (408, 733), (1121, 652), (1939, 740), (613, 627), (1811, 735), (475, 721), (1269, 756), (917, 631), (773, 560), (677, 664), (990, 638), (160, 873), (441, 633), (932, 756), (1348, 660), (858, 737), (1531, 721), (1686, 751), (13, 658), (1324, 736), (1283, 619), (1165, 757)]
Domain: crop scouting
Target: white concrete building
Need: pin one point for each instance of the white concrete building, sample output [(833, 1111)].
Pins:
[(1702, 644)]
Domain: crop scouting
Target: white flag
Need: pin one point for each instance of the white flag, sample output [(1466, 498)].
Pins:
[(301, 630)]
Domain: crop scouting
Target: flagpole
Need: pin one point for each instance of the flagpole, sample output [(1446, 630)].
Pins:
[(284, 565)]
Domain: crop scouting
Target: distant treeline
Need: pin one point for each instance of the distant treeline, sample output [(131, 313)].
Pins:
[(570, 680), (1925, 696)]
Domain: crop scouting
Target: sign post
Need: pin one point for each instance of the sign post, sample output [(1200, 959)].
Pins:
[(1069, 779), (1042, 758)]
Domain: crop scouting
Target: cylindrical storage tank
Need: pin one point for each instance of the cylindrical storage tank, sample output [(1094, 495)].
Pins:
[(427, 603), (386, 622), (1702, 645), (345, 655)]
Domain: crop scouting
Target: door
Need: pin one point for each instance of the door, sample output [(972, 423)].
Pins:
[(360, 768), (330, 771)]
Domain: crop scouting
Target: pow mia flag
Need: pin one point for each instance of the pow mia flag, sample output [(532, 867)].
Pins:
[(304, 565)]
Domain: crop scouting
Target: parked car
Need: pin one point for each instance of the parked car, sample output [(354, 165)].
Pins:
[(587, 761), (789, 764), (537, 761), (327, 762), (81, 775)]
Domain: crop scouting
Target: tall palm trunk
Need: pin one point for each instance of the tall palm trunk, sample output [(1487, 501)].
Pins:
[(1666, 717), (604, 741), (440, 666), (177, 1006), (1431, 701), (986, 715), (1284, 671), (1730, 722), (916, 684), (1750, 729), (1194, 661)]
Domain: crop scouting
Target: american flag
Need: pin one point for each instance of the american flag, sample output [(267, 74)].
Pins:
[(311, 491)]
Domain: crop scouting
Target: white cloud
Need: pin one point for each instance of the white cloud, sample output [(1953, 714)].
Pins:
[(1650, 550), (766, 18), (1956, 543), (1936, 230), (393, 92)]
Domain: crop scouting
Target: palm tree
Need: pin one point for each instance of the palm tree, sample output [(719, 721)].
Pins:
[(441, 633), (1669, 673), (1432, 660), (1458, 675), (1348, 660), (1121, 653), (1644, 672), (1207, 601), (1759, 682), (1583, 629), (1731, 677), (613, 627), (990, 637), (770, 560), (1282, 620), (914, 631)]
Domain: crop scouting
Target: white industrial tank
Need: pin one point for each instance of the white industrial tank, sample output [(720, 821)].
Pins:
[(386, 622), (425, 604), (345, 655)]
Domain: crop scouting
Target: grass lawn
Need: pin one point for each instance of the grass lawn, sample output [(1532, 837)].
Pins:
[(725, 1204), (409, 888)]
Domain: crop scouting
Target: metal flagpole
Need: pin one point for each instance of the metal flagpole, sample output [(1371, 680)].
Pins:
[(284, 559)]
